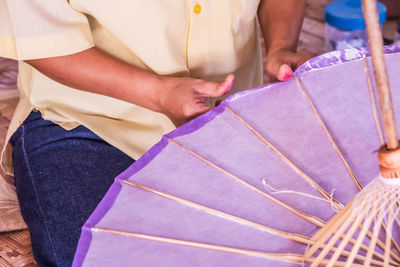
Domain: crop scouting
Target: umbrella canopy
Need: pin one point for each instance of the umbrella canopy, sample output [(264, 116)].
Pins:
[(250, 182)]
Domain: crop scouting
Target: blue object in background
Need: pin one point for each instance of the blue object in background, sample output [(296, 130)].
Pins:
[(347, 14), (345, 26)]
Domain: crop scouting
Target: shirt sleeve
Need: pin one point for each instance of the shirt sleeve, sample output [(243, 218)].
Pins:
[(32, 29)]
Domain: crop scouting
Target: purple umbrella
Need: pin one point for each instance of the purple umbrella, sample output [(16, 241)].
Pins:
[(250, 182)]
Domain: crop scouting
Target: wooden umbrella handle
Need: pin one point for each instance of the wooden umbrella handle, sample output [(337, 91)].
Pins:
[(375, 41)]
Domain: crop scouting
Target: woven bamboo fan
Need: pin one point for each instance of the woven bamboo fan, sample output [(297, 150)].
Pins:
[(258, 180)]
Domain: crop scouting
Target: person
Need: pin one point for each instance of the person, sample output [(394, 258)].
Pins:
[(101, 82), (393, 8)]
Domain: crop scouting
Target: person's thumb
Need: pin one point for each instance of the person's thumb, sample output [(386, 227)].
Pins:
[(285, 72), (221, 88), (278, 69)]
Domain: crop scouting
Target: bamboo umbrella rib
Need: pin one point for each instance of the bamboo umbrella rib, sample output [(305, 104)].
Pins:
[(345, 241), (325, 194), (347, 238), (383, 89), (373, 101), (378, 226), (372, 243), (375, 42), (332, 228), (376, 241), (288, 257), (312, 219), (388, 234), (338, 233), (375, 111), (338, 150), (273, 256), (324, 233), (360, 238), (328, 133), (290, 236), (350, 233), (316, 221), (354, 224), (377, 121)]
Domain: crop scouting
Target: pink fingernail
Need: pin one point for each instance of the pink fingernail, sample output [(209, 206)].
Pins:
[(287, 76), (285, 73)]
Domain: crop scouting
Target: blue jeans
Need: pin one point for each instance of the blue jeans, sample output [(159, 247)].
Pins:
[(60, 177)]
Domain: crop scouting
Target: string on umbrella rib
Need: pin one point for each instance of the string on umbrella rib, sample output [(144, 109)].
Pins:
[(273, 190), (314, 220), (328, 133), (291, 164), (290, 236), (289, 257)]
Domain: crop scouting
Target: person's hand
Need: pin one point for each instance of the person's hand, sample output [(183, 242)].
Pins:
[(281, 64), (183, 99)]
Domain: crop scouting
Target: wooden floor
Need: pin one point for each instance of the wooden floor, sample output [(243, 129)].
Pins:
[(15, 247)]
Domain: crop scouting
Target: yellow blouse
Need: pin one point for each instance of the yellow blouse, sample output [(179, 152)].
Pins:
[(200, 38)]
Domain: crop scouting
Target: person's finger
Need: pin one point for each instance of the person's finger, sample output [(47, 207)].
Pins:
[(285, 72), (226, 86), (219, 89), (299, 59), (194, 112), (280, 66), (202, 109)]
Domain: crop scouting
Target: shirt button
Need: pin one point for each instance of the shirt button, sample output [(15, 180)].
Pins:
[(197, 9)]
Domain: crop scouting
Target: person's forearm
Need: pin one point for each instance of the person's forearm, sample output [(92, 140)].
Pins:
[(95, 71), (92, 70), (281, 22)]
